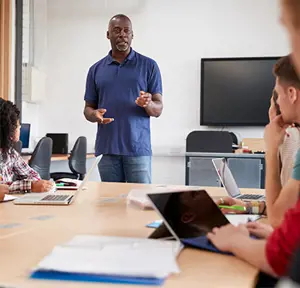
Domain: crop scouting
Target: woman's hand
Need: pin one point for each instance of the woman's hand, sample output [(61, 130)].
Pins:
[(224, 238), (228, 201), (4, 189), (259, 230)]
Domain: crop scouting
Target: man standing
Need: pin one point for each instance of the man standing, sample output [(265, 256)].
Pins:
[(126, 87)]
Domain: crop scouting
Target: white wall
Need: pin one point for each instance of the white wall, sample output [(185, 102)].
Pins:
[(177, 34)]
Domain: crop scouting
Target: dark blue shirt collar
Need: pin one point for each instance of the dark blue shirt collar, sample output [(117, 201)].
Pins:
[(111, 60)]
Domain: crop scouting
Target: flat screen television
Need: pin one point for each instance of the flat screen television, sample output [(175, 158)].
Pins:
[(236, 91)]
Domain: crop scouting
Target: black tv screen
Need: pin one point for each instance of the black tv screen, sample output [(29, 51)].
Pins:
[(236, 91)]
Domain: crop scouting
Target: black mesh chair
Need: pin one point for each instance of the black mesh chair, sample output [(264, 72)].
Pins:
[(77, 162), (209, 142), (40, 160), (18, 146)]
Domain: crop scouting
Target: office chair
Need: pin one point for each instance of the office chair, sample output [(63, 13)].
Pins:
[(40, 160), (292, 280), (77, 162), (209, 141), (18, 146), (294, 273)]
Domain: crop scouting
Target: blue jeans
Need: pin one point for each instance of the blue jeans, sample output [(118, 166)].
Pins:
[(114, 168)]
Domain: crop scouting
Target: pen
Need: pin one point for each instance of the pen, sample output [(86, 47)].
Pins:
[(234, 207)]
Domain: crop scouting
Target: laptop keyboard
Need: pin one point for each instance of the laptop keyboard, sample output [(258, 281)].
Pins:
[(250, 196), (55, 198)]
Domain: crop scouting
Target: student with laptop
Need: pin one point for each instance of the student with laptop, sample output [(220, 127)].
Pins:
[(14, 171), (281, 149)]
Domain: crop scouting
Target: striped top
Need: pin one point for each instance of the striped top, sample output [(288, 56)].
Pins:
[(287, 152)]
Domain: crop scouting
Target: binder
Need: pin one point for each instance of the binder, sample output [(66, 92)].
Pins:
[(203, 243), (77, 277)]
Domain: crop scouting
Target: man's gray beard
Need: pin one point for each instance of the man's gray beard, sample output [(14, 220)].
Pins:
[(123, 48)]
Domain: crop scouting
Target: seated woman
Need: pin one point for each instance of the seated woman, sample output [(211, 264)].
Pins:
[(281, 162), (14, 171)]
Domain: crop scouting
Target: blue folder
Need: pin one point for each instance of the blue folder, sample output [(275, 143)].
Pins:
[(65, 276), (202, 243)]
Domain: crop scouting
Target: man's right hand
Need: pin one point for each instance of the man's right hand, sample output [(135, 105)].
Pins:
[(274, 133), (41, 186), (99, 113)]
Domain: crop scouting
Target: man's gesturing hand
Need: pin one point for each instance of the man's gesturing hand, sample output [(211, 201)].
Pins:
[(99, 116), (144, 99)]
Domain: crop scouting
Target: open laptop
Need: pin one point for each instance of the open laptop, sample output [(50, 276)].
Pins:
[(229, 182), (186, 214), (55, 198)]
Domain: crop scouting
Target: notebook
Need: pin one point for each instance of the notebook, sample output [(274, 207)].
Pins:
[(110, 259)]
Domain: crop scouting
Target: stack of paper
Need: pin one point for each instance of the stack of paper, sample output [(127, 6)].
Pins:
[(111, 259), (139, 198), (9, 198), (236, 219)]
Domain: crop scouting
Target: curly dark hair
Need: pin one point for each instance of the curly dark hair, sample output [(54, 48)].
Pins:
[(9, 117)]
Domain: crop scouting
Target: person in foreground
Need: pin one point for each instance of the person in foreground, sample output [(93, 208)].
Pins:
[(290, 18), (281, 146), (274, 250), (14, 171), (126, 87)]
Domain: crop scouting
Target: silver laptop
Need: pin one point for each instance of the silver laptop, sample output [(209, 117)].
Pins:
[(55, 198), (229, 182)]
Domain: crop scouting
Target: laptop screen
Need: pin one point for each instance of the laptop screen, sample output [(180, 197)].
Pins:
[(226, 177), (189, 214), (25, 135)]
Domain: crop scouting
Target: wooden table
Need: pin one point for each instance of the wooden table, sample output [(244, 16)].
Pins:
[(23, 246), (58, 157)]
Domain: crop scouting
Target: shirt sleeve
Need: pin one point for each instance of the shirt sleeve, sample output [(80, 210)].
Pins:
[(284, 241), (296, 170), (91, 95), (155, 82), (20, 186), (24, 175)]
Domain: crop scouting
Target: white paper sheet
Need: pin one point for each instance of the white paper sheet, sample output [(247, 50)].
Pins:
[(9, 198), (236, 219), (117, 257)]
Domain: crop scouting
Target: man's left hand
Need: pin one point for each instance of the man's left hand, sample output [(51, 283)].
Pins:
[(275, 132), (224, 238), (144, 99)]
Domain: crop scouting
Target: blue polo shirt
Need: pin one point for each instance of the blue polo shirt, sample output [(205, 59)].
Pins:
[(115, 87)]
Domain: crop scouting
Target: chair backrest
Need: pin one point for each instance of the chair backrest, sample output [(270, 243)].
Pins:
[(77, 160), (209, 141), (18, 146), (294, 274), (40, 160)]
